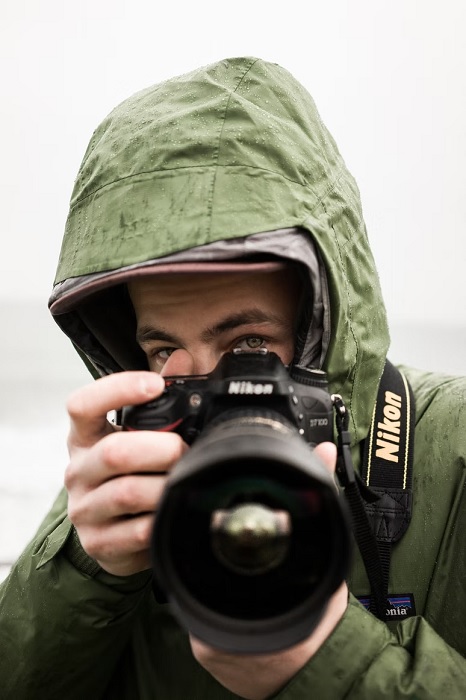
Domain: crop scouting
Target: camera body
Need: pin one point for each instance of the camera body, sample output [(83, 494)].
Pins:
[(241, 380)]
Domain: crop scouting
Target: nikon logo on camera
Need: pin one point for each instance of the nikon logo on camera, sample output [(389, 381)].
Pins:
[(254, 388), (388, 435)]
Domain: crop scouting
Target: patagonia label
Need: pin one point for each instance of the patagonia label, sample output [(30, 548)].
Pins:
[(399, 606)]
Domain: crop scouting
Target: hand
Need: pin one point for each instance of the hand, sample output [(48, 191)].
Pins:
[(256, 677), (115, 478)]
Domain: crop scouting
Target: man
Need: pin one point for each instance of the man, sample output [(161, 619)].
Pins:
[(214, 213)]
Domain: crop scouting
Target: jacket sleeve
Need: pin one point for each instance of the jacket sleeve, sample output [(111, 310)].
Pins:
[(363, 660), (62, 631)]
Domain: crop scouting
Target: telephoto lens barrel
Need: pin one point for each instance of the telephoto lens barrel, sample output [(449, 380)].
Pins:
[(251, 538)]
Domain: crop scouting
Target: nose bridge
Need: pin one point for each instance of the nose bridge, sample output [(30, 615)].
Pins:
[(200, 359)]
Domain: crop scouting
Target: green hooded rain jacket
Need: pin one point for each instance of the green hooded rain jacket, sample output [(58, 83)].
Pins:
[(228, 161)]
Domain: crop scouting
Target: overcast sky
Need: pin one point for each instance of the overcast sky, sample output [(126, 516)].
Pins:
[(389, 78)]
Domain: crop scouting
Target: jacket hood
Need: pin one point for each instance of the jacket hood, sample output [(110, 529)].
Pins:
[(228, 154)]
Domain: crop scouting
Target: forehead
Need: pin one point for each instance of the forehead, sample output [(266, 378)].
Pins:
[(223, 289)]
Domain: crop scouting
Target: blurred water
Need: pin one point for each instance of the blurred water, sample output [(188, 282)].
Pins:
[(38, 369)]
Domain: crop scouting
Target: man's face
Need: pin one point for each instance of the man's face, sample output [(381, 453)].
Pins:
[(186, 322)]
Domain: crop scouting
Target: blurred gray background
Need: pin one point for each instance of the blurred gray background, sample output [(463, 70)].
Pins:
[(389, 80)]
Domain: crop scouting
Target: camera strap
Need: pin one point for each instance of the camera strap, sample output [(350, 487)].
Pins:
[(380, 500)]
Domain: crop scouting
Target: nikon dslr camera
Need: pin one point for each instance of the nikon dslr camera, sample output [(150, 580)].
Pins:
[(251, 537)]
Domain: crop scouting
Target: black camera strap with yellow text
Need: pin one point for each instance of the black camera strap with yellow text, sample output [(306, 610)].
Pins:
[(380, 500)]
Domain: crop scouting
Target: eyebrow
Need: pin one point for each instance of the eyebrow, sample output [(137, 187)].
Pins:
[(147, 332)]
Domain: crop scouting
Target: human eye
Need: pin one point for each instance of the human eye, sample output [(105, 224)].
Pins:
[(164, 353), (250, 343), (158, 356)]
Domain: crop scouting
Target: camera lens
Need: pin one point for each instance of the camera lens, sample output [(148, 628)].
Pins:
[(251, 537)]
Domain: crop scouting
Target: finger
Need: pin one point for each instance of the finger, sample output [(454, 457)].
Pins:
[(89, 405), (124, 453), (327, 453), (125, 496), (118, 545)]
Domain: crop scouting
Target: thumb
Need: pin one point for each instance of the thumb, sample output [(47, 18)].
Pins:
[(327, 453)]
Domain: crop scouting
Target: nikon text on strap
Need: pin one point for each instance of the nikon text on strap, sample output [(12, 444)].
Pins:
[(387, 468)]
